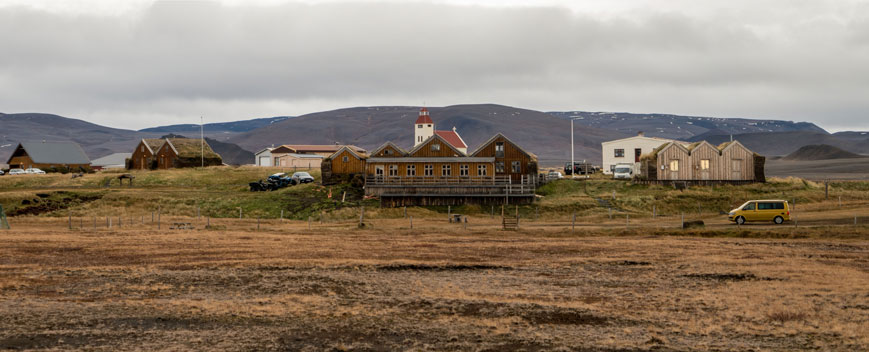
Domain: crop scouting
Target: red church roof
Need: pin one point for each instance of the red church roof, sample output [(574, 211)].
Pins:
[(452, 137), (423, 117)]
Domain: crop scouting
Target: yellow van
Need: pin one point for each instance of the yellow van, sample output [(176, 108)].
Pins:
[(776, 211)]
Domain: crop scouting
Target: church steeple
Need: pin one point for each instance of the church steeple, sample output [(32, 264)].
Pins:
[(423, 127)]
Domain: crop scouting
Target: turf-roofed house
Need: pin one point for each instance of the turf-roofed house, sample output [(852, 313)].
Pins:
[(439, 169), (49, 156), (173, 153)]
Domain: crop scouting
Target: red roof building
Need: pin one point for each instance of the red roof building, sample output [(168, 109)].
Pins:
[(423, 117), (454, 139)]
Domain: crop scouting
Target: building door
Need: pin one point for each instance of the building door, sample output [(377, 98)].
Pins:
[(704, 169), (378, 171), (265, 161), (637, 153), (736, 169)]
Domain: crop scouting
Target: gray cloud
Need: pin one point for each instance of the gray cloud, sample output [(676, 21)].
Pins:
[(171, 62)]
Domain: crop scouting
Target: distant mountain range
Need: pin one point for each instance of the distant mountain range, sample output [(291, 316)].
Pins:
[(219, 127), (680, 127), (784, 143), (369, 127), (545, 134)]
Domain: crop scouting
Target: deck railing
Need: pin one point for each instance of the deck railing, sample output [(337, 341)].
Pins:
[(437, 180)]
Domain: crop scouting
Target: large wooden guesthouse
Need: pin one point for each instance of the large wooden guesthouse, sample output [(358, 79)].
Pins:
[(438, 170)]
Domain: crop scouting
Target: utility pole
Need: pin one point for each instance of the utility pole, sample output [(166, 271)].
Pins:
[(572, 169), (202, 141)]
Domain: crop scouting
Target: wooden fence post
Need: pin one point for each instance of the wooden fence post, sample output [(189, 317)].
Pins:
[(239, 213), (654, 211), (683, 220), (282, 215), (627, 220), (70, 220), (309, 222), (826, 189), (411, 222), (257, 223)]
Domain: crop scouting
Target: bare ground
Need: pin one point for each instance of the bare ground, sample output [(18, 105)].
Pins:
[(142, 289)]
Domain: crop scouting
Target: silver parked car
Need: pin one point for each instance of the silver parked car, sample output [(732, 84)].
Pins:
[(17, 172)]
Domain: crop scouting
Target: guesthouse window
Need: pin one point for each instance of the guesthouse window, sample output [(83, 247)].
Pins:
[(428, 170), (418, 126), (620, 153), (517, 167), (704, 164), (435, 147), (463, 170), (445, 170), (345, 159), (499, 149), (411, 170), (393, 170), (481, 170), (674, 165), (499, 167)]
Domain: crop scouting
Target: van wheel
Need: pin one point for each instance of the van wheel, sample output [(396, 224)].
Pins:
[(778, 220), (740, 220)]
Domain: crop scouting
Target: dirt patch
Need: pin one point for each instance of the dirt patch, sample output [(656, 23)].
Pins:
[(728, 277), (47, 203), (424, 267), (565, 317), (632, 263)]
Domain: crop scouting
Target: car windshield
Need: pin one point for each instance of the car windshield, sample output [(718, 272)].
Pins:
[(279, 174), (623, 170), (302, 174)]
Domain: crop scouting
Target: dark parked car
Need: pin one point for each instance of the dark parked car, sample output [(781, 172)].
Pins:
[(303, 177)]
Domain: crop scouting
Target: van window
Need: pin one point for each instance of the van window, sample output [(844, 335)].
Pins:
[(765, 206), (749, 206)]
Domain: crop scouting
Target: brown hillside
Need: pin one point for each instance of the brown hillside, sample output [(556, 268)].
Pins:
[(820, 152), (369, 127)]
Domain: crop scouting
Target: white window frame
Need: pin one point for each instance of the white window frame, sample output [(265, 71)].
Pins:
[(411, 170), (464, 170), (446, 170), (428, 170), (482, 170)]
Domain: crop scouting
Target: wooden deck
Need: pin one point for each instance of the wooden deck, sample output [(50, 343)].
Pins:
[(404, 191)]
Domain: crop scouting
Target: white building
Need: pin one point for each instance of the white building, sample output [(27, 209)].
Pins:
[(424, 127), (264, 157), (112, 161), (628, 150)]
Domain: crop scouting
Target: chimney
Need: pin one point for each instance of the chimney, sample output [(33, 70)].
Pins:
[(641, 133)]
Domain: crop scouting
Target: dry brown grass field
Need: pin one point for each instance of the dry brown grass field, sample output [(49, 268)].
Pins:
[(616, 279), (436, 287)]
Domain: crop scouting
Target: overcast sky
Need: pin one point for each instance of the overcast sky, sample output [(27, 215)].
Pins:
[(135, 64)]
